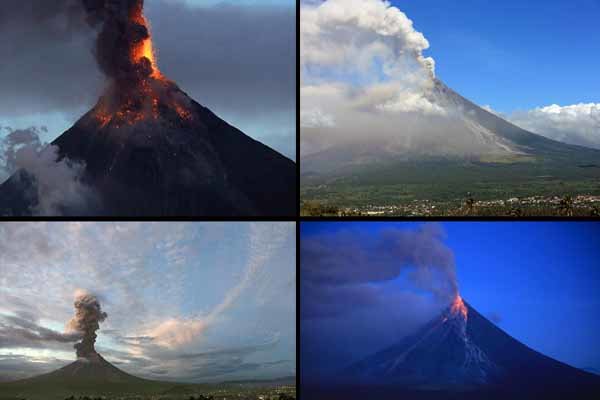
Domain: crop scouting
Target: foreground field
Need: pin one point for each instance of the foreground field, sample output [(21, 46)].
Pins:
[(154, 391), (567, 206)]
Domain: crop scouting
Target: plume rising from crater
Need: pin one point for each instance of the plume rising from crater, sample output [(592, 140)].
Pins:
[(147, 147), (87, 319)]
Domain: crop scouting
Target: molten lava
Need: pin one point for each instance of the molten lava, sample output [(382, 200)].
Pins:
[(140, 92), (145, 48), (458, 307)]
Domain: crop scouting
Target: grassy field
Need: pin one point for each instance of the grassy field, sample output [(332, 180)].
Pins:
[(533, 188), (143, 391)]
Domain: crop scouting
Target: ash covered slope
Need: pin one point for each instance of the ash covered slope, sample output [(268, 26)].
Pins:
[(467, 134), (467, 352)]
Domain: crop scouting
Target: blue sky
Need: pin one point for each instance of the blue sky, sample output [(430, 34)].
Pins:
[(222, 292), (513, 55), (539, 281)]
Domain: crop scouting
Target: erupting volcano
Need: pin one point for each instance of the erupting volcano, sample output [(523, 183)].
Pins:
[(149, 149), (462, 352)]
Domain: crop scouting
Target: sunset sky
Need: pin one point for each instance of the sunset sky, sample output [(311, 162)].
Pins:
[(189, 302)]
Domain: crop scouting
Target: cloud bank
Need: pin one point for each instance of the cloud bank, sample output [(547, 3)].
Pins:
[(574, 124)]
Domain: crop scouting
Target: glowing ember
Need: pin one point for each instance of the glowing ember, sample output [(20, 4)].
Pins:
[(142, 93), (145, 49), (458, 306)]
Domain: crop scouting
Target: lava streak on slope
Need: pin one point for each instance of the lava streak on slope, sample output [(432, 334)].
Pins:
[(458, 307), (137, 90)]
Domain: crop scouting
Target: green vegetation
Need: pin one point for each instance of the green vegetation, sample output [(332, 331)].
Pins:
[(441, 188), (143, 390)]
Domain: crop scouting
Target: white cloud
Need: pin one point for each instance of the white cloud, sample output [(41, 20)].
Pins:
[(360, 58), (575, 124)]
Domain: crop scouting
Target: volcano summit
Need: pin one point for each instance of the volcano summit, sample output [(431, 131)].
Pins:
[(146, 148), (460, 354)]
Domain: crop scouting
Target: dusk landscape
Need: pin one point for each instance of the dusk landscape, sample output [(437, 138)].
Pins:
[(459, 310)]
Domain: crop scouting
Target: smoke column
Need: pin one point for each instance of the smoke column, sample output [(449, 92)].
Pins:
[(88, 315), (122, 33)]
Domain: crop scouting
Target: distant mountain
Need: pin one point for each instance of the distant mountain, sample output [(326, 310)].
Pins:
[(86, 376), (94, 376), (461, 354)]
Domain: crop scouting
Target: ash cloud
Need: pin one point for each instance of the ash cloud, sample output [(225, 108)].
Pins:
[(87, 319), (367, 85), (350, 261), (57, 182), (391, 280)]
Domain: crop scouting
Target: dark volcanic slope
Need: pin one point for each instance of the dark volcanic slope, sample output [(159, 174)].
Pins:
[(92, 377), (449, 354), (199, 166)]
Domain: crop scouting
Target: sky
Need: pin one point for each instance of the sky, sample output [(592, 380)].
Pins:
[(539, 282), (513, 55), (238, 58), (192, 302), (533, 63)]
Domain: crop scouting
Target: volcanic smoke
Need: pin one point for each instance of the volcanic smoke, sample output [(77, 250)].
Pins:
[(88, 315), (137, 90)]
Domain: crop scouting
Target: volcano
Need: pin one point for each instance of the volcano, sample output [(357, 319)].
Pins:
[(462, 353), (468, 150), (89, 376), (148, 149)]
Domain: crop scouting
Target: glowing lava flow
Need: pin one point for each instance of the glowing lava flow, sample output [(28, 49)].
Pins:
[(458, 306)]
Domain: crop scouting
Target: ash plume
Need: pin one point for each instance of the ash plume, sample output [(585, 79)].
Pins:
[(353, 258), (121, 29), (119, 24), (88, 315)]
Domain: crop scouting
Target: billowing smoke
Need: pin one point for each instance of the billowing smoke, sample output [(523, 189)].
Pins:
[(344, 271), (389, 279), (367, 85), (88, 315), (122, 28), (56, 182)]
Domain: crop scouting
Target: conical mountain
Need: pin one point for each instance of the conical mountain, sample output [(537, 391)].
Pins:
[(94, 368), (177, 161), (447, 155), (90, 376), (461, 351)]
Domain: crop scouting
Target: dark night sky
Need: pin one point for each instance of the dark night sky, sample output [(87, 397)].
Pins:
[(537, 281)]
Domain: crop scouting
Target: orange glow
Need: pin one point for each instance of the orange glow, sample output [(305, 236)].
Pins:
[(146, 98), (458, 306), (145, 48)]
